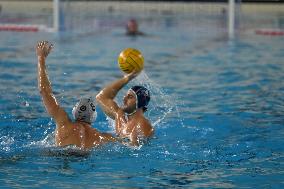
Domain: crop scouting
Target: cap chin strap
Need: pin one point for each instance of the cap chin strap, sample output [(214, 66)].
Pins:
[(129, 114)]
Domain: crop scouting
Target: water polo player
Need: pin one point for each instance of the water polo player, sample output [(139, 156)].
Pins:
[(130, 121), (132, 28), (68, 132)]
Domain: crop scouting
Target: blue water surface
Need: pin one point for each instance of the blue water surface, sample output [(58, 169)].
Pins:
[(217, 107)]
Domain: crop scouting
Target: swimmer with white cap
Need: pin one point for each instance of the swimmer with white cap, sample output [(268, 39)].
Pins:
[(78, 132), (130, 122)]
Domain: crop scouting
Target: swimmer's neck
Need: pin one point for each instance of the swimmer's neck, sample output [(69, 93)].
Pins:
[(83, 123), (138, 113)]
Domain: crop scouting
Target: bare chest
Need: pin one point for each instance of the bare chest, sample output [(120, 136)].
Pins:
[(130, 126)]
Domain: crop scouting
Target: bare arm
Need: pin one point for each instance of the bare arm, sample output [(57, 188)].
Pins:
[(134, 138), (106, 96), (49, 100)]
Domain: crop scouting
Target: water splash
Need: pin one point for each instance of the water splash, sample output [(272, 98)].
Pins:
[(161, 104), (48, 141), (6, 143)]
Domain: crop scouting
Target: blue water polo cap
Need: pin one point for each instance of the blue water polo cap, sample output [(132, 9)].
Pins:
[(142, 96)]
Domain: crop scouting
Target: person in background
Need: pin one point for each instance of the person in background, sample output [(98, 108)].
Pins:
[(132, 28), (130, 122), (79, 132)]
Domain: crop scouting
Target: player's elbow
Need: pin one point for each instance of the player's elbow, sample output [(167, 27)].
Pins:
[(100, 98)]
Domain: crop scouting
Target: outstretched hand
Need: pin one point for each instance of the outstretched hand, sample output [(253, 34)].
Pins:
[(43, 48), (132, 75)]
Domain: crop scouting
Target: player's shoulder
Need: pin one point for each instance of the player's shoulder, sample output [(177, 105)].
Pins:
[(147, 122), (62, 117), (147, 125)]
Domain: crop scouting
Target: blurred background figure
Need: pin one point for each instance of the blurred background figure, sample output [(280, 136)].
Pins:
[(132, 28)]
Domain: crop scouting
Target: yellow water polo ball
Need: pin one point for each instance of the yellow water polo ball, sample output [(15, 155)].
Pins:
[(130, 59)]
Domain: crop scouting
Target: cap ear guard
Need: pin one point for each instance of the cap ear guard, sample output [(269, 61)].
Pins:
[(85, 110), (145, 109)]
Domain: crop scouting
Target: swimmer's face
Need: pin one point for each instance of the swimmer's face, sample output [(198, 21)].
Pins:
[(132, 26), (129, 102)]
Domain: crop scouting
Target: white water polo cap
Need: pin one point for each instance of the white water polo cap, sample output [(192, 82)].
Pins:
[(85, 110)]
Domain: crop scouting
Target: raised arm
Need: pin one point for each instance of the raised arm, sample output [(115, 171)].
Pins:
[(54, 110), (106, 96)]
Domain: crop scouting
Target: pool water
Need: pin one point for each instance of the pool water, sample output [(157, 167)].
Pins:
[(217, 107)]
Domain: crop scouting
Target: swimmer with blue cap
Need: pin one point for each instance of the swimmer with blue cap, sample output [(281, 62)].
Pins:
[(130, 122), (78, 132)]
